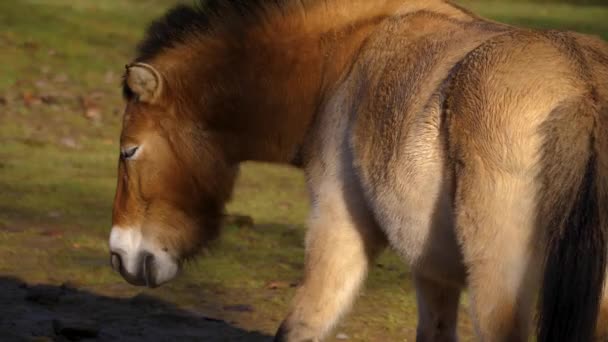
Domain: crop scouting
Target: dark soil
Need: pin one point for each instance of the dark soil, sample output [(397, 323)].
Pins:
[(63, 313)]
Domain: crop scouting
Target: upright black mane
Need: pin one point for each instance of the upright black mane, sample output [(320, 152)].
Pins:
[(182, 21)]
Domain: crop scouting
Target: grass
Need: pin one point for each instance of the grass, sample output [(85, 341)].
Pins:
[(589, 19), (59, 121)]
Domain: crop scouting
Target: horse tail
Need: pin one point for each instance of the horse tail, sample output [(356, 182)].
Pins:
[(576, 221)]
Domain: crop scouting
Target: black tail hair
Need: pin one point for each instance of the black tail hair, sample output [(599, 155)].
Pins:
[(575, 264)]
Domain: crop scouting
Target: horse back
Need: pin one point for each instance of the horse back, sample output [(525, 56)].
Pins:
[(429, 84)]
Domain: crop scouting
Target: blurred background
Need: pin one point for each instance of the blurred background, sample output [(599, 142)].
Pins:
[(60, 110)]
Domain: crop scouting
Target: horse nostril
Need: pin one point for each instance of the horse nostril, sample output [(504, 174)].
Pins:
[(115, 261), (149, 271)]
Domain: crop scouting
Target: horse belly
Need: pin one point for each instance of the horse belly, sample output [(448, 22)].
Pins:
[(415, 212), (410, 192)]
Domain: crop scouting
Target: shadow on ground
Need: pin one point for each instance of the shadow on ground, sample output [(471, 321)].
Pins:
[(62, 313)]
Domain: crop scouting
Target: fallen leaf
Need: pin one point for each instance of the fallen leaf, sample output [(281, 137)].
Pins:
[(274, 285), (91, 109), (93, 113), (29, 98), (30, 46)]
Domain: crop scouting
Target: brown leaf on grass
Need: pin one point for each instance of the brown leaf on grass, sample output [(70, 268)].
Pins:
[(29, 45), (276, 285), (93, 113), (90, 108), (29, 99), (3, 101)]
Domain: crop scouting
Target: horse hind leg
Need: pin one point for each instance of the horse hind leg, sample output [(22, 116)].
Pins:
[(437, 310), (495, 222)]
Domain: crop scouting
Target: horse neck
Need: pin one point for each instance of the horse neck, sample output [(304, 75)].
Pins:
[(285, 68), (290, 75)]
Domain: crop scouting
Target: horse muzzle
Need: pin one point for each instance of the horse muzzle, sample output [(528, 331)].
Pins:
[(145, 274), (138, 262)]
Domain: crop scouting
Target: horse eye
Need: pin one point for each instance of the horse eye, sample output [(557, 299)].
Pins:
[(128, 153)]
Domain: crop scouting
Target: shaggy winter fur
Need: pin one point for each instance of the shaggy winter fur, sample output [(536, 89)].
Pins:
[(477, 150)]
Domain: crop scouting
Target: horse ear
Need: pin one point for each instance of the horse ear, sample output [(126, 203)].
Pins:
[(144, 81)]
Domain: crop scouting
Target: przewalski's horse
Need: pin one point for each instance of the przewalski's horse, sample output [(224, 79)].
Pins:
[(477, 150)]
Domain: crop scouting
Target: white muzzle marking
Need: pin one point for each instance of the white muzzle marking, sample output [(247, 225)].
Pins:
[(130, 244)]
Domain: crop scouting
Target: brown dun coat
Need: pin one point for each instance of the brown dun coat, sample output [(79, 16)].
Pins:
[(476, 150)]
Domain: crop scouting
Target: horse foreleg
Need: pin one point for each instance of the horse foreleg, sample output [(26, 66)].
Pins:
[(341, 242)]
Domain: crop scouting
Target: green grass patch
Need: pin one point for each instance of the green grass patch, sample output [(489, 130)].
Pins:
[(585, 19)]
